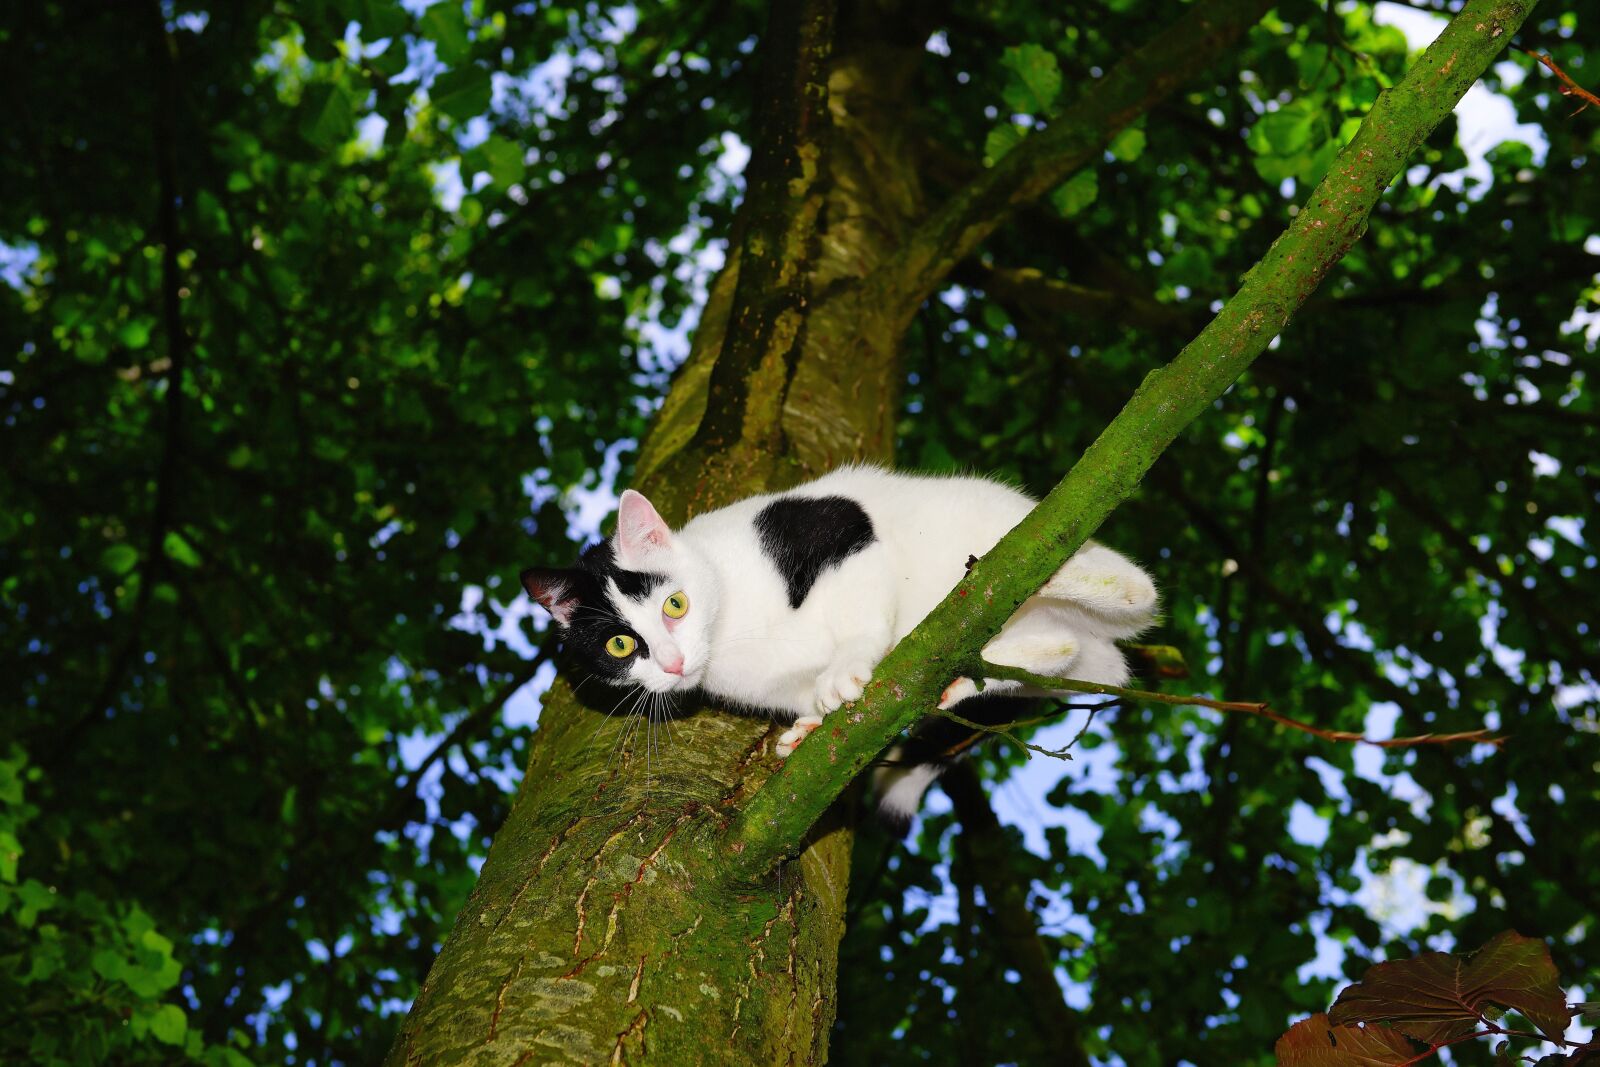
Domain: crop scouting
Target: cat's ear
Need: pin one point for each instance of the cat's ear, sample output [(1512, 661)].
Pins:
[(552, 590), (640, 529)]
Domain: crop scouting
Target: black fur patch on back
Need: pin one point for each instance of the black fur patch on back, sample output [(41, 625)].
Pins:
[(806, 535)]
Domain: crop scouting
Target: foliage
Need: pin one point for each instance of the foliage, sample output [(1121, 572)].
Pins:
[(234, 547), (1441, 1000)]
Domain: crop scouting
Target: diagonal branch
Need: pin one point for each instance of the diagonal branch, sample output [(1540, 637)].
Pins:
[(774, 822), (1074, 138)]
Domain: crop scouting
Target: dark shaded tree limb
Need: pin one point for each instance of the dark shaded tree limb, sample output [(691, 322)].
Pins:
[(908, 681), (991, 861), (787, 180), (164, 50), (1074, 138)]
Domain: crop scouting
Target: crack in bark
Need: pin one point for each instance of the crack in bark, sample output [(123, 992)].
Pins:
[(500, 996), (637, 1026), (583, 918), (756, 958)]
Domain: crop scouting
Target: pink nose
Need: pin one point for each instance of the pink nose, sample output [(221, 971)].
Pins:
[(673, 666)]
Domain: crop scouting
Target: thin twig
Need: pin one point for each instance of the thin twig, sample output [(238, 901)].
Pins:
[(1568, 86), (1005, 730), (1243, 707)]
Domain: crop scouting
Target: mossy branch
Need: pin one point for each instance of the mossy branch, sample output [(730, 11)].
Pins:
[(777, 818)]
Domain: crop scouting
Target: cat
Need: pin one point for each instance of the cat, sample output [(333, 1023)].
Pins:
[(784, 603)]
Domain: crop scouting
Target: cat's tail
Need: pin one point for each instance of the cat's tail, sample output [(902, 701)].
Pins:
[(936, 743)]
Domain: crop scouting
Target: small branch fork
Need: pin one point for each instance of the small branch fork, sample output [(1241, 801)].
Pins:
[(1568, 86), (1261, 709), (1493, 1030)]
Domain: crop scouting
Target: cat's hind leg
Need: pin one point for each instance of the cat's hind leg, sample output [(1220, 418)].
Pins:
[(1048, 638), (1115, 591)]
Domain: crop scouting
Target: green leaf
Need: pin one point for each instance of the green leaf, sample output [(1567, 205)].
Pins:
[(1128, 145), (119, 559), (36, 897), (1076, 193), (326, 117), (1283, 132), (390, 62), (169, 1024), (1001, 139), (10, 853), (383, 18), (1438, 996), (180, 551), (504, 158), (1158, 661), (445, 23), (108, 964), (1035, 79), (463, 93), (135, 333)]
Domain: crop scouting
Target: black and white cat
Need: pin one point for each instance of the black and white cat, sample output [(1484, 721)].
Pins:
[(785, 602)]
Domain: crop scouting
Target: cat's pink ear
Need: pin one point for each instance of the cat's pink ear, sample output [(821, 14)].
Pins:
[(552, 590), (641, 531)]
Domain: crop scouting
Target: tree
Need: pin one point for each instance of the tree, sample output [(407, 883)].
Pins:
[(185, 371)]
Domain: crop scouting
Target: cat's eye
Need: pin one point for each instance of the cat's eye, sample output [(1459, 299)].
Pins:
[(621, 646), (676, 605)]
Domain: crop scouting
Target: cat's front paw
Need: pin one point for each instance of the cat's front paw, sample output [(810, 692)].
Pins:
[(790, 739), (841, 683)]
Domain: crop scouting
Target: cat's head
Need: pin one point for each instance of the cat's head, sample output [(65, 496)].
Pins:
[(637, 609)]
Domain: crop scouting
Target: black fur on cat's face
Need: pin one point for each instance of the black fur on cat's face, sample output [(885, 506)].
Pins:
[(635, 610), (579, 598)]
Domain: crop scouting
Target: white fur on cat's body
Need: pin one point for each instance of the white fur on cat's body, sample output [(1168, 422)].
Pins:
[(744, 644)]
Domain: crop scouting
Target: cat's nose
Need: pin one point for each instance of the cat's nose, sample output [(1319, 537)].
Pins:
[(673, 665)]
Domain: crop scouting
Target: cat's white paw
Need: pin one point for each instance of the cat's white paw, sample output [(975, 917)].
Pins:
[(790, 739), (842, 682)]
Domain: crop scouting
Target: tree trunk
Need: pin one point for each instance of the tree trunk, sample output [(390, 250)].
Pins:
[(599, 930)]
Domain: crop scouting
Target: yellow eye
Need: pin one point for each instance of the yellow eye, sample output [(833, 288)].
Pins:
[(621, 646), (676, 606)]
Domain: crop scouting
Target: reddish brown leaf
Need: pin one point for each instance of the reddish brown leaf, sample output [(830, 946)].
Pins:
[(1314, 1043), (1438, 996)]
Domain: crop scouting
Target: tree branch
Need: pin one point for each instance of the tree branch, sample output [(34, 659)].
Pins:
[(786, 184), (164, 135), (1074, 138), (1568, 86), (774, 822), (480, 718), (1247, 707), (988, 852)]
